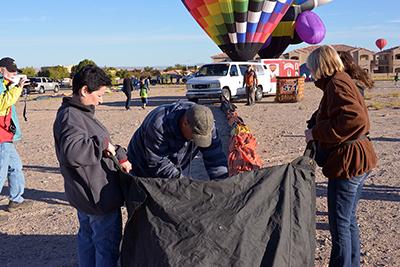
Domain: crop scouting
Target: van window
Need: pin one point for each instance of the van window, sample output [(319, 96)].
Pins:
[(259, 70), (234, 71), (243, 69), (213, 70)]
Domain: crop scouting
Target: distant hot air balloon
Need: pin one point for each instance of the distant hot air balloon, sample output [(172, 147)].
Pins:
[(381, 43), (285, 33), (239, 27)]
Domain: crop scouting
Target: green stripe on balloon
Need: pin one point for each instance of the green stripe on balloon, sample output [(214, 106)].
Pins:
[(240, 6)]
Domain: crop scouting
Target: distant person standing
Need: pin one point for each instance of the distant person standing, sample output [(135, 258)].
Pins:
[(250, 81), (10, 162), (144, 89), (127, 88), (147, 81), (396, 79)]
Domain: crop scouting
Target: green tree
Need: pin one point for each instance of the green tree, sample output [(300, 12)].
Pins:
[(29, 71), (111, 73), (56, 72), (80, 65), (123, 73), (44, 72)]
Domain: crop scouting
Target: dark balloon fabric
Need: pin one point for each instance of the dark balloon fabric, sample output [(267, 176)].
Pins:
[(259, 218), (283, 35), (239, 27)]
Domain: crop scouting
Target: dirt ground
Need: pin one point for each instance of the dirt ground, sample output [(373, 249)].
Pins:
[(45, 234)]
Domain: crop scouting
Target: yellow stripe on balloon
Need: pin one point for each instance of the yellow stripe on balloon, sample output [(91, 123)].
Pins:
[(284, 28)]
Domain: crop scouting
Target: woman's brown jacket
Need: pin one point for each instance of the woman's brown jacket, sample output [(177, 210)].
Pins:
[(342, 124)]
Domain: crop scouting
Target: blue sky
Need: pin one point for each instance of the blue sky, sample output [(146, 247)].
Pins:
[(157, 32)]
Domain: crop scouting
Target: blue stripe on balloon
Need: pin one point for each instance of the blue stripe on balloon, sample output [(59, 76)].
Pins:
[(252, 27), (241, 38), (299, 2), (265, 17), (278, 7)]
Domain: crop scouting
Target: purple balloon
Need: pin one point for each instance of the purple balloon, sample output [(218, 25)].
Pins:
[(310, 27)]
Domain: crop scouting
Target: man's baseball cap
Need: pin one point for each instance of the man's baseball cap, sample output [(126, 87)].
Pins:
[(201, 121), (9, 64)]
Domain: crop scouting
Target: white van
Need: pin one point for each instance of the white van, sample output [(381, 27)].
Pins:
[(215, 80)]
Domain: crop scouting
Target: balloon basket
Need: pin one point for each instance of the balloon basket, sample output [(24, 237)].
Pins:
[(289, 89)]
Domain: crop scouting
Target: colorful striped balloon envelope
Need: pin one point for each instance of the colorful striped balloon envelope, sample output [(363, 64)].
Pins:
[(239, 27)]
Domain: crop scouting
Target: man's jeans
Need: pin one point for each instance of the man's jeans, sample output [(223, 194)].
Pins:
[(11, 168), (98, 239), (343, 196)]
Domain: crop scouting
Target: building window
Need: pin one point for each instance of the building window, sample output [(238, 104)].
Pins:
[(364, 57), (295, 58), (397, 57), (366, 70)]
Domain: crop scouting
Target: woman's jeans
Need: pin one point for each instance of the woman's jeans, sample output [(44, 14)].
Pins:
[(98, 239), (343, 196), (11, 168)]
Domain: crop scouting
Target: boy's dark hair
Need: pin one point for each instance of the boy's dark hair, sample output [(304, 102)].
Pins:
[(91, 76)]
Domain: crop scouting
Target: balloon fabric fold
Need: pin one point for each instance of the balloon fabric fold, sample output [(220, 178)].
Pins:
[(239, 27)]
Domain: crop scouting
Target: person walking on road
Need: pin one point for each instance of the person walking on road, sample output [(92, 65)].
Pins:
[(127, 88), (144, 91)]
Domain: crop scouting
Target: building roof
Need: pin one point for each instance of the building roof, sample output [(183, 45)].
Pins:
[(388, 50), (309, 49), (220, 56)]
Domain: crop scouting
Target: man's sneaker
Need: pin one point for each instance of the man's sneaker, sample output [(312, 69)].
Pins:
[(13, 206)]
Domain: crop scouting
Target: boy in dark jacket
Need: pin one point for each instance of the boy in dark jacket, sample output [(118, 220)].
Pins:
[(83, 147), (171, 136)]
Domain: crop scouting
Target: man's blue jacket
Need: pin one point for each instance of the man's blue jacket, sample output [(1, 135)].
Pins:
[(158, 148)]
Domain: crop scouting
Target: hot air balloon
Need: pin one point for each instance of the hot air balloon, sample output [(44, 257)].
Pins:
[(310, 27), (285, 33), (381, 43), (239, 27)]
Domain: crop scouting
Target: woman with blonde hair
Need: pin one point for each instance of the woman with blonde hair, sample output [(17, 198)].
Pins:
[(341, 127)]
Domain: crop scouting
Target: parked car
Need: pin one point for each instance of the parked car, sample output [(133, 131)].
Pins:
[(225, 79), (42, 84), (188, 77), (66, 83)]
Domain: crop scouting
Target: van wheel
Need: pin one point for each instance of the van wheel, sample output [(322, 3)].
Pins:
[(41, 90), (226, 94), (56, 89), (259, 93)]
